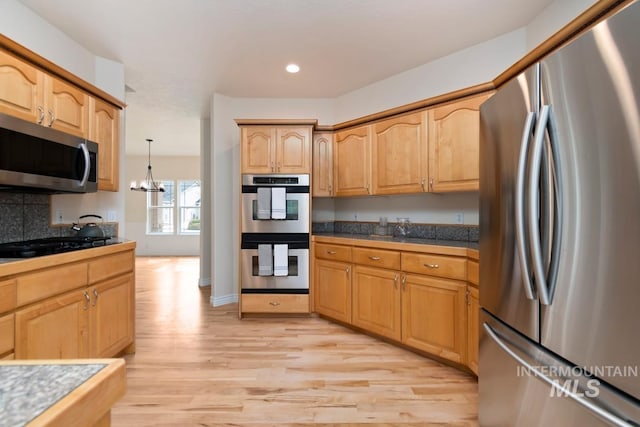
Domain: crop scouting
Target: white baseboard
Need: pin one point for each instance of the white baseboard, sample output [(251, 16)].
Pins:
[(204, 281), (223, 300)]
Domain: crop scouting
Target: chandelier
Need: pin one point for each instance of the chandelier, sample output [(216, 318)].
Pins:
[(148, 185)]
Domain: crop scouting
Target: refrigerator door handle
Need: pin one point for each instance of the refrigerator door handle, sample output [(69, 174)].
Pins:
[(519, 208), (545, 293), (602, 413)]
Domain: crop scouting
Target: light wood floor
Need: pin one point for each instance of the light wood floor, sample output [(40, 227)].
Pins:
[(197, 365)]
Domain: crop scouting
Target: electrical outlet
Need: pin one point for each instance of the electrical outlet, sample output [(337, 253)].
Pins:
[(355, 217), (58, 217), (111, 216), (459, 218)]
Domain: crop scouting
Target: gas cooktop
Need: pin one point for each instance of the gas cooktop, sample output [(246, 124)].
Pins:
[(49, 246)]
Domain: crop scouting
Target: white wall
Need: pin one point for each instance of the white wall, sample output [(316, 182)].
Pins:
[(553, 18), (164, 167), (468, 67)]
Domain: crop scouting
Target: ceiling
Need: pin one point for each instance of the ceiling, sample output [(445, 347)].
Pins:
[(178, 52)]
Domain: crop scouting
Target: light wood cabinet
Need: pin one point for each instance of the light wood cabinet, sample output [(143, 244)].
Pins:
[(399, 155), (104, 130), (351, 162), (322, 165), (56, 328), (33, 95), (112, 311), (434, 316), (7, 333), (275, 303), (376, 301), (473, 325), (282, 149), (21, 88), (454, 139), (333, 289), (81, 308)]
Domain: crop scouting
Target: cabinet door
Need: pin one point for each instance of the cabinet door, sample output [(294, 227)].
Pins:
[(322, 165), (111, 320), (293, 150), (473, 325), (56, 328), (376, 301), (333, 289), (105, 129), (351, 162), (67, 107), (454, 139), (434, 316), (258, 149), (399, 155), (20, 89)]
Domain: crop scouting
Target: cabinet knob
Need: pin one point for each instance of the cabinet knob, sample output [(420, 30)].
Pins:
[(404, 281), (432, 265), (348, 270), (431, 183), (395, 280), (331, 252), (272, 168), (274, 303), (52, 118), (374, 258), (95, 294)]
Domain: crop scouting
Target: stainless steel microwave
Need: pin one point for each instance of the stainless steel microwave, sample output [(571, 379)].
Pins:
[(35, 157)]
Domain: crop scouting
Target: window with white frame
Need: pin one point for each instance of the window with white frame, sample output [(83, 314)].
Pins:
[(177, 210)]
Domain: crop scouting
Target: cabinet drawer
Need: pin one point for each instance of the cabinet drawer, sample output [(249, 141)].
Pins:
[(52, 281), (275, 303), (7, 295), (333, 252), (377, 258), (435, 265), (472, 272), (7, 327), (111, 266)]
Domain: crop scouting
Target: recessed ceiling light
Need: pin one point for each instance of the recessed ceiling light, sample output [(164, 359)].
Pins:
[(293, 68)]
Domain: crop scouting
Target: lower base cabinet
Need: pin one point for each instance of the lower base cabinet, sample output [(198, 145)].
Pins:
[(333, 289), (376, 301), (473, 325), (434, 316), (274, 303), (96, 321)]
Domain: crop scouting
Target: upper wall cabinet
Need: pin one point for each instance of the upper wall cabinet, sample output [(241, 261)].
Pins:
[(21, 88), (104, 130), (454, 138), (28, 93), (322, 164), (351, 161), (399, 155), (281, 149)]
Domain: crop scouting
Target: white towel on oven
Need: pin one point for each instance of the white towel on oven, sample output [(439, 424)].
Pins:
[(280, 260), (264, 203), (278, 203), (265, 260)]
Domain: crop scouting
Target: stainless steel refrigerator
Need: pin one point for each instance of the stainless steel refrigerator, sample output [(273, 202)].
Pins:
[(560, 236)]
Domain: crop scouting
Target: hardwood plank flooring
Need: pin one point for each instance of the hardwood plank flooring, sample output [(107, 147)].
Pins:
[(196, 365)]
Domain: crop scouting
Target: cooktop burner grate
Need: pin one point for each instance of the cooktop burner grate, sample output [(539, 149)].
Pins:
[(49, 246)]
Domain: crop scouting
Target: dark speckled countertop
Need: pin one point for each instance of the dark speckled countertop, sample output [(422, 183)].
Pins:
[(413, 240)]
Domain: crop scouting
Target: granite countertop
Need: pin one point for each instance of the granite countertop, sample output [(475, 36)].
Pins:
[(413, 240), (26, 391)]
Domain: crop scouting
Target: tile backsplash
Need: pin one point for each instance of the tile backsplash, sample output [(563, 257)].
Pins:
[(463, 233), (25, 216)]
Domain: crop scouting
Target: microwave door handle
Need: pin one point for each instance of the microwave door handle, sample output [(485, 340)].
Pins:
[(87, 163), (520, 202)]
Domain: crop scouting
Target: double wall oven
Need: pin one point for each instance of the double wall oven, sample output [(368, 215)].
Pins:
[(275, 234)]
